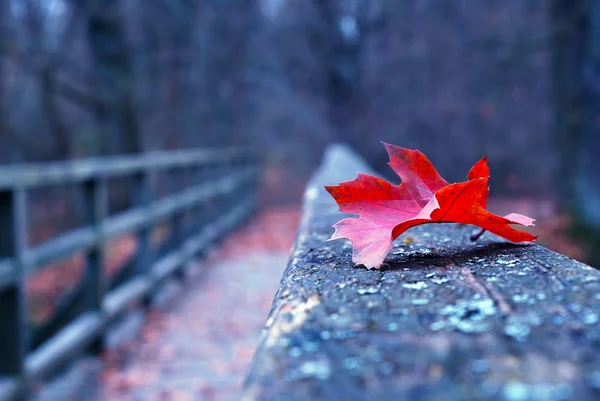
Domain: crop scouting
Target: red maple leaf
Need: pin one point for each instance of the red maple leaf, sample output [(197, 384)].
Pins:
[(385, 211)]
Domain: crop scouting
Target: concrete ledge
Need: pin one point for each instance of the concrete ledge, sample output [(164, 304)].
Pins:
[(448, 319)]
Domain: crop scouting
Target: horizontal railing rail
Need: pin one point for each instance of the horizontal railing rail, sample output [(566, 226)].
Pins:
[(55, 173), (227, 178), (86, 238)]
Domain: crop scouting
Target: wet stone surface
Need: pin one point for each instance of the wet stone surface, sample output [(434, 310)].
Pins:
[(445, 319)]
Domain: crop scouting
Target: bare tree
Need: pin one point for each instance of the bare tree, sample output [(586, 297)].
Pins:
[(577, 129), (111, 60), (5, 129), (288, 76), (45, 77)]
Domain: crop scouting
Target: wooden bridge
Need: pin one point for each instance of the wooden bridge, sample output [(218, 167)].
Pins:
[(447, 319), (226, 180)]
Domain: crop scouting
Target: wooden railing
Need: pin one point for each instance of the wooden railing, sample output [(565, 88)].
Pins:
[(227, 178), (445, 319)]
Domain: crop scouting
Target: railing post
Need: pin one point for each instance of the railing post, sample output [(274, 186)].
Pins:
[(200, 212), (193, 180), (224, 199), (14, 341), (254, 182), (144, 193), (204, 176), (236, 166), (176, 237), (96, 196)]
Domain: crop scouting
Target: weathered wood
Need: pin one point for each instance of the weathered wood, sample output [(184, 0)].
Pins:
[(82, 331), (36, 175), (79, 334), (144, 194), (446, 319), (81, 324), (96, 193), (73, 302), (13, 242), (86, 238), (7, 272), (179, 181)]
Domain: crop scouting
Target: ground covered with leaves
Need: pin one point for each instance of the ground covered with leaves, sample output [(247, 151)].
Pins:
[(198, 343)]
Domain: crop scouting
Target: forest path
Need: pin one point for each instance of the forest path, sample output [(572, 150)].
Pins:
[(196, 345)]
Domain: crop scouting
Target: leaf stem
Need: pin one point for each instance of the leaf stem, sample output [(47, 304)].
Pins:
[(476, 236)]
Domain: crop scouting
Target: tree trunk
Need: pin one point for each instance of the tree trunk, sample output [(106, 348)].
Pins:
[(10, 148), (4, 129), (576, 39), (116, 119)]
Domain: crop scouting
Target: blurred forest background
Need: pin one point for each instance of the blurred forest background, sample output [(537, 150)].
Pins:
[(517, 80)]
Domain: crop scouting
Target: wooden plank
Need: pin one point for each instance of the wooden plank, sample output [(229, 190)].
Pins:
[(86, 238), (167, 206), (144, 191), (9, 389), (180, 180), (96, 193), (58, 173), (73, 302), (116, 301), (69, 342), (61, 246), (17, 367), (7, 273), (80, 333), (446, 319)]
